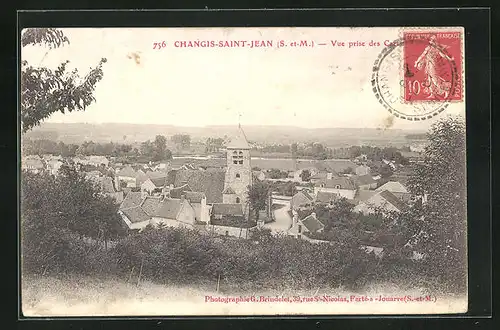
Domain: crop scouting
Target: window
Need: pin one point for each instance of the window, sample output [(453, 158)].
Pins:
[(237, 175), (227, 233), (300, 229), (237, 157), (299, 236), (237, 200)]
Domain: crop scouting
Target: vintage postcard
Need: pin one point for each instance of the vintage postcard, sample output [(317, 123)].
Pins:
[(242, 171)]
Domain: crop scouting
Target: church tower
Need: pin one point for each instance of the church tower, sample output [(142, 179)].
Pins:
[(238, 171)]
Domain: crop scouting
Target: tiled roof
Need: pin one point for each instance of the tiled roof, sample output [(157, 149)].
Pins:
[(179, 191), (171, 177), (320, 176), (396, 202), (141, 177), (325, 197), (393, 186), (212, 163), (211, 183), (227, 209), (194, 196), (239, 141), (301, 198), (159, 182), (343, 182), (312, 224), (169, 208), (136, 214), (361, 180), (305, 193), (364, 195), (151, 205), (127, 171), (131, 200)]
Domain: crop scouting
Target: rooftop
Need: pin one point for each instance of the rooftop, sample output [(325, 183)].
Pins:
[(239, 141)]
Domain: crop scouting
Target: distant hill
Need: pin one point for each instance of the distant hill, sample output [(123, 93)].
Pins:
[(130, 133)]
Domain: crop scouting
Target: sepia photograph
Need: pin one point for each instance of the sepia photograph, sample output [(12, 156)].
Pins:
[(242, 171)]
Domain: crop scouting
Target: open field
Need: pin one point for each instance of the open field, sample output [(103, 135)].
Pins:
[(49, 296)]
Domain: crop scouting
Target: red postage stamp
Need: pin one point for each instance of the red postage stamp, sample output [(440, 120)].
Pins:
[(433, 66)]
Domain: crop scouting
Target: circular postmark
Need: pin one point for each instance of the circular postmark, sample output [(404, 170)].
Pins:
[(414, 99)]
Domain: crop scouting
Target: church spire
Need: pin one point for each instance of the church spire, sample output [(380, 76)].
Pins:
[(239, 141)]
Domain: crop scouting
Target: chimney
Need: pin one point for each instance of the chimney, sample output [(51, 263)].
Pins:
[(329, 175), (183, 198), (313, 214)]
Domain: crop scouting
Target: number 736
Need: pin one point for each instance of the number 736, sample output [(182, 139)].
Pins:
[(159, 45)]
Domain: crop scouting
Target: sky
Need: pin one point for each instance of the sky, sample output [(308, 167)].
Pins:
[(312, 87)]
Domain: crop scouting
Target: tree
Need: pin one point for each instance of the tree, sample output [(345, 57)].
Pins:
[(441, 178), (275, 173), (305, 175), (183, 141), (45, 91), (160, 151), (147, 148), (258, 193)]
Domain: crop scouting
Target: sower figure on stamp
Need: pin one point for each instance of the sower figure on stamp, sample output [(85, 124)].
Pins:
[(429, 60)]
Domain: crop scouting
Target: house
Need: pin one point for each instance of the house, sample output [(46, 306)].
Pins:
[(140, 177), (322, 176), (383, 201), (32, 164), (229, 220), (187, 167), (390, 163), (308, 225), (396, 188), (342, 186), (361, 158), (97, 161), (362, 170), (209, 182), (162, 167), (301, 199), (128, 176), (364, 182), (220, 210), (138, 211), (152, 186)]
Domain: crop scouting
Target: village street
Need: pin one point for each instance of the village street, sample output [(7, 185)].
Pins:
[(282, 222)]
